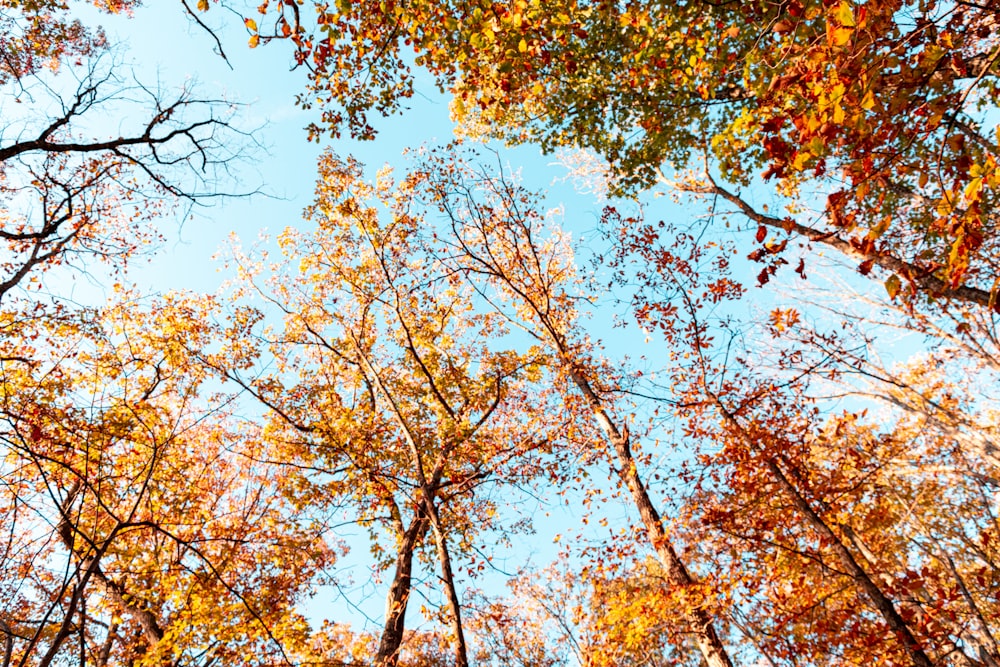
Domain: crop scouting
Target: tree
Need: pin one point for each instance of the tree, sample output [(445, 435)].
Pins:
[(390, 387), (499, 241), (817, 515), (882, 107), (143, 526), (73, 189), (831, 540), (401, 395), (114, 555)]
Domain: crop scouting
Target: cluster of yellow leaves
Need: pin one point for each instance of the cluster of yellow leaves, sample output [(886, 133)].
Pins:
[(174, 534)]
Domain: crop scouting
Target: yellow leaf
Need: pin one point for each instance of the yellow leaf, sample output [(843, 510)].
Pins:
[(841, 36), (251, 25), (973, 188), (254, 40), (944, 206), (845, 14), (522, 46)]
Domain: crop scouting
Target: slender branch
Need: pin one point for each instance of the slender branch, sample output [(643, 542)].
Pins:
[(919, 276)]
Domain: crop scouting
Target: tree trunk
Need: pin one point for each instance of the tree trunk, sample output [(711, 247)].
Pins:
[(702, 627), (862, 580), (399, 593), (461, 652)]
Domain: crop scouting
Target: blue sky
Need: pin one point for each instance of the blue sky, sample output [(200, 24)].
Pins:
[(164, 47)]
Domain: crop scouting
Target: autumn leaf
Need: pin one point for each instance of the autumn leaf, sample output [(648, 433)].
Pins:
[(892, 286)]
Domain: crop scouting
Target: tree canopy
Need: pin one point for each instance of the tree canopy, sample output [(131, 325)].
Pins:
[(882, 107), (392, 395)]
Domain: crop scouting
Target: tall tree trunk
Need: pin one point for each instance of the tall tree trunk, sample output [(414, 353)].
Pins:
[(399, 593), (702, 627), (864, 582), (427, 492), (461, 651), (507, 254), (8, 643), (885, 607)]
